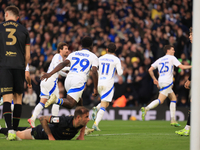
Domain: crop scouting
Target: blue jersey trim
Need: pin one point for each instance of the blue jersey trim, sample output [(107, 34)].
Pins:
[(54, 87), (166, 87), (76, 89), (106, 94)]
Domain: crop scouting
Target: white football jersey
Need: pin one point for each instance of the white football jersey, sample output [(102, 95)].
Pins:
[(165, 67), (108, 63), (81, 62), (57, 58)]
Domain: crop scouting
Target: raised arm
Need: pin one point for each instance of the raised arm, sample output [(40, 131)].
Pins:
[(56, 69), (184, 66), (44, 120)]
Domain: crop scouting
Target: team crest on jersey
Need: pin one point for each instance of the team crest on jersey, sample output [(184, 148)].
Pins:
[(55, 120)]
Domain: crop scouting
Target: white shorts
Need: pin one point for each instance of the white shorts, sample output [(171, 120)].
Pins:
[(74, 87), (166, 88), (49, 87), (106, 92)]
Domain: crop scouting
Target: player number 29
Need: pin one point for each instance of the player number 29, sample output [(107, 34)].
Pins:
[(11, 36), (84, 63)]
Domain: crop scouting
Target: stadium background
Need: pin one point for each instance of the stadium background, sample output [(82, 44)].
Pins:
[(139, 28)]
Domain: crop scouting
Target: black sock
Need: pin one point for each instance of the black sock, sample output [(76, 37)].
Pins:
[(188, 120), (16, 115), (4, 131), (7, 114)]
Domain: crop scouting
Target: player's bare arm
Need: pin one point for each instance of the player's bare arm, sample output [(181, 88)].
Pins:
[(27, 54), (95, 80), (155, 81), (28, 79), (44, 120), (184, 66), (81, 135), (56, 69), (187, 84)]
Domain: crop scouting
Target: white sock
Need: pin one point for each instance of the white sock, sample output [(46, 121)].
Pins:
[(98, 106), (187, 127), (153, 104), (12, 107), (99, 115), (37, 110), (55, 109), (173, 110)]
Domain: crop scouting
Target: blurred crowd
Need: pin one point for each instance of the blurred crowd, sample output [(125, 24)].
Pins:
[(139, 28)]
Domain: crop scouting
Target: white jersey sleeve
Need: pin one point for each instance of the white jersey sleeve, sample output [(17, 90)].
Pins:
[(57, 58), (175, 61)]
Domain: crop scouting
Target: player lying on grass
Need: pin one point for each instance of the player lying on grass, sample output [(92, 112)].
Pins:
[(59, 127)]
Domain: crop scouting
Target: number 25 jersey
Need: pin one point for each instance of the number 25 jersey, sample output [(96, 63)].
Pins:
[(13, 39), (81, 62), (165, 67)]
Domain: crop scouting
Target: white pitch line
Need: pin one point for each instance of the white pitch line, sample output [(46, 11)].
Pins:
[(128, 134)]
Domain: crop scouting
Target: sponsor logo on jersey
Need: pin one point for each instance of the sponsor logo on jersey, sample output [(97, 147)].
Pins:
[(11, 54), (7, 89)]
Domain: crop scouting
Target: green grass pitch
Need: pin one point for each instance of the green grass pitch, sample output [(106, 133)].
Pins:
[(115, 135)]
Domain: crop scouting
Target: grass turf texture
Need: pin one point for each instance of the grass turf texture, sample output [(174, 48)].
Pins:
[(116, 135)]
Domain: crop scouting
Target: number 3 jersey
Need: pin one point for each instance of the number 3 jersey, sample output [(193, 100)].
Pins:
[(108, 63), (13, 39), (165, 67), (81, 62)]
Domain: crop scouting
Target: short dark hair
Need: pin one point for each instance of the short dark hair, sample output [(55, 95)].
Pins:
[(60, 46), (87, 42), (111, 48), (167, 47), (190, 30), (80, 110), (13, 9)]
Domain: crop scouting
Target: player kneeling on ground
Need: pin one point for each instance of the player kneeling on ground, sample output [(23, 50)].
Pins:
[(59, 127)]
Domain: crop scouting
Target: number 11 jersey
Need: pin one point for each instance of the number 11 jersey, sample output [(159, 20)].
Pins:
[(165, 67), (108, 63)]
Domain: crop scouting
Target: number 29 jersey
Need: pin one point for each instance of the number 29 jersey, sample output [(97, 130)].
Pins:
[(13, 39), (165, 67), (81, 62)]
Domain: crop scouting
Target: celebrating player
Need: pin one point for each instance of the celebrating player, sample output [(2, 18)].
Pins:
[(59, 128), (165, 67), (15, 54), (108, 63), (80, 64), (50, 86)]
